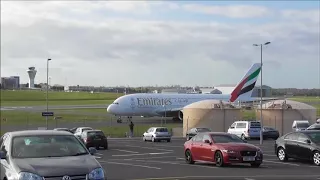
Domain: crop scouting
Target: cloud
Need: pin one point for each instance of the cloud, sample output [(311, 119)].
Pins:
[(89, 47), (232, 11)]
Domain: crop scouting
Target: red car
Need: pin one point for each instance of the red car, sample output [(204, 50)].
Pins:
[(221, 149)]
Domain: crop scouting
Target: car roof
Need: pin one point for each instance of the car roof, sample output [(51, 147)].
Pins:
[(37, 132), (85, 127), (215, 133), (94, 130), (309, 131)]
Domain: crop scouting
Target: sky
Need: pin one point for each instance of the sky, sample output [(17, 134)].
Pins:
[(141, 43)]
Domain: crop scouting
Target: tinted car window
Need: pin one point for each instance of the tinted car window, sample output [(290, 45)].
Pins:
[(161, 130), (255, 124), (96, 133), (292, 136), (46, 146), (314, 137), (226, 139), (198, 138), (302, 137), (302, 125)]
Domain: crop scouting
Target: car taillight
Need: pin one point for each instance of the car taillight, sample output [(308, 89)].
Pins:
[(86, 140)]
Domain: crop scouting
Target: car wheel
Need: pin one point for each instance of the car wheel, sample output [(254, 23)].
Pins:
[(255, 165), (316, 158), (218, 158), (105, 146), (188, 157), (282, 154)]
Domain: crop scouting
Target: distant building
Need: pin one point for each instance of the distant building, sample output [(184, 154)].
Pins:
[(12, 82)]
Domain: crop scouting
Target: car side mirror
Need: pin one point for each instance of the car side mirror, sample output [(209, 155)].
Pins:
[(92, 150), (307, 141), (207, 141), (3, 155), (231, 127)]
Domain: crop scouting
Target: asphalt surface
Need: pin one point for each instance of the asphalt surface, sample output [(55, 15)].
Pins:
[(133, 159)]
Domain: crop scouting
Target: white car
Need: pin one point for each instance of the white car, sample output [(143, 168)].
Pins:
[(80, 130), (300, 125), (157, 134), (245, 129)]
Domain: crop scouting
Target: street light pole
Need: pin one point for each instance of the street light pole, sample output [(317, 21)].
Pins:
[(261, 120), (47, 91)]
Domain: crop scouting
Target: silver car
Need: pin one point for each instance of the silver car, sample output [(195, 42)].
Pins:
[(157, 134)]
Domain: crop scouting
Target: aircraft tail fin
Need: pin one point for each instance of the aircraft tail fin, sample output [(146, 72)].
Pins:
[(244, 88)]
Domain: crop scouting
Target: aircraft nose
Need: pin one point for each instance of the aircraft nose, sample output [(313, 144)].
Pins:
[(109, 109)]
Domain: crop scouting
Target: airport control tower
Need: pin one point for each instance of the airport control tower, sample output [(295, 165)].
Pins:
[(32, 74)]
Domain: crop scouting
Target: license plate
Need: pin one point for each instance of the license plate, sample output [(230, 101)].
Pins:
[(249, 158)]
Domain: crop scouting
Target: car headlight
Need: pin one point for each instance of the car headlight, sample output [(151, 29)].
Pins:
[(29, 176), (229, 151), (96, 174)]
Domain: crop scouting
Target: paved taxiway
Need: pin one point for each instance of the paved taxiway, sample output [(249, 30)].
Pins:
[(133, 159)]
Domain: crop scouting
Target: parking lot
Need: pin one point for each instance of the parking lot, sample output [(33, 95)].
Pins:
[(133, 159)]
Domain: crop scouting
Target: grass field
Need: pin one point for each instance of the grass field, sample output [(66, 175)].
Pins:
[(305, 99), (23, 117), (35, 98)]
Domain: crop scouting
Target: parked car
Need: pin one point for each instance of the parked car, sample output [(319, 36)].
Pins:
[(314, 127), (63, 129), (43, 154), (245, 129), (304, 145), (94, 138), (80, 130), (300, 125), (269, 132), (194, 131), (157, 134), (73, 130), (222, 149)]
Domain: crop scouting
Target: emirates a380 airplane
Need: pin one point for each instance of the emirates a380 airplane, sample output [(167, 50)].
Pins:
[(171, 105)]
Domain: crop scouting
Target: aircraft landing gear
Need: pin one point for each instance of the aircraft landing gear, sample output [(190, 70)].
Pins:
[(119, 120)]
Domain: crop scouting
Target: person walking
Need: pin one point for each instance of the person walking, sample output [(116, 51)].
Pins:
[(131, 125)]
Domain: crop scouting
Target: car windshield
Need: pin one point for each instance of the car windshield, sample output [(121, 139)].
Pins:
[(96, 134), (269, 128), (203, 130), (46, 146), (303, 125), (226, 139), (162, 130), (315, 137)]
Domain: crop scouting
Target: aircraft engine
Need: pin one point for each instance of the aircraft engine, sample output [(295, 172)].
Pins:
[(180, 115)]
